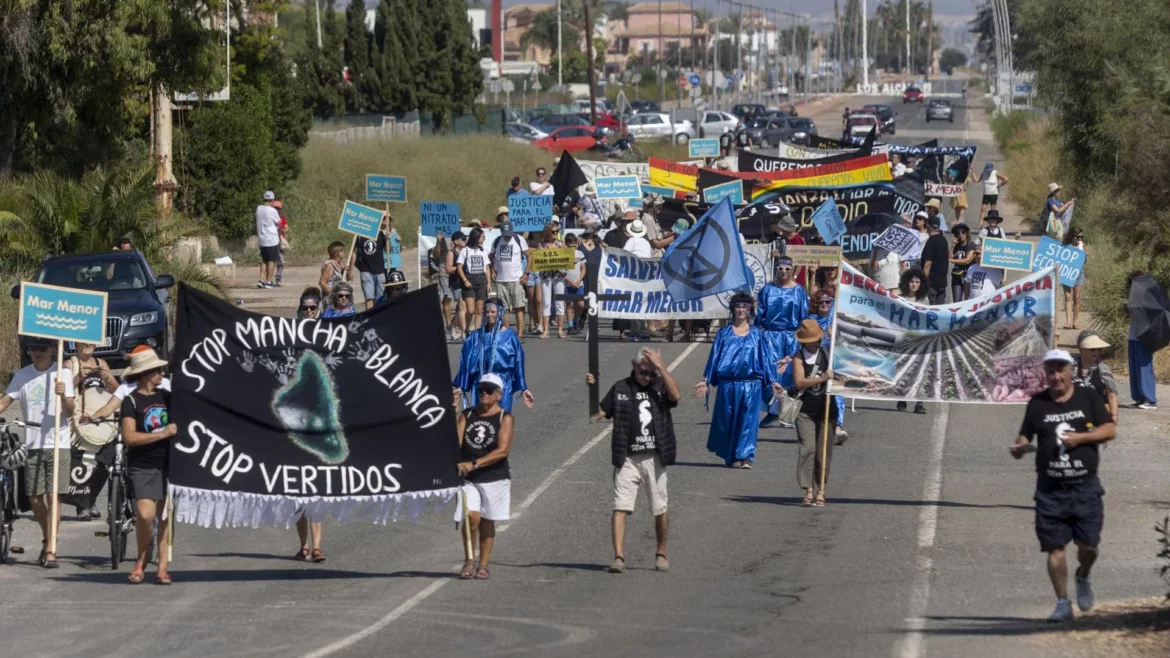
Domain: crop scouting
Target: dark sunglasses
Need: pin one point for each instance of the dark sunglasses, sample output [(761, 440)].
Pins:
[(540, 173), (824, 301), (308, 308), (487, 389), (646, 373), (342, 295)]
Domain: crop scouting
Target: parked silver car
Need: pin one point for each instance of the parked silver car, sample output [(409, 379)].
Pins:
[(714, 124), (658, 125), (940, 109), (523, 133)]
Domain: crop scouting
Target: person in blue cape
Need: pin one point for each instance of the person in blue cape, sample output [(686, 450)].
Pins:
[(740, 368), (823, 312), (782, 305), (493, 348)]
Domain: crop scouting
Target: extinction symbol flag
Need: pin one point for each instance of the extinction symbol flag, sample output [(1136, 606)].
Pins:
[(350, 416), (708, 259)]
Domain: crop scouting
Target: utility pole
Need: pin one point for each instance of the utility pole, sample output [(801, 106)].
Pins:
[(589, 66), (930, 39), (909, 68), (807, 56), (738, 56), (317, 4), (560, 50), (164, 176), (678, 46), (659, 54), (715, 72), (693, 46), (864, 43)]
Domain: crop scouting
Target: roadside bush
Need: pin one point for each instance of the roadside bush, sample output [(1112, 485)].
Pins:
[(471, 170)]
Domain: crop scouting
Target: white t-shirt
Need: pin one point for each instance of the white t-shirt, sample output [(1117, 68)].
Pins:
[(33, 389), (889, 270), (983, 280), (639, 247), (532, 187), (126, 388), (267, 226), (474, 258), (899, 170), (508, 258), (991, 183)]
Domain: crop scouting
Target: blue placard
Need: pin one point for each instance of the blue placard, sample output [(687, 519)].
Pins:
[(730, 81), (530, 212), (62, 313), (618, 187), (634, 203), (435, 216), (1068, 260), (732, 190), (386, 188), (664, 192), (827, 218), (360, 220), (394, 259), (694, 80), (1007, 254), (704, 148)]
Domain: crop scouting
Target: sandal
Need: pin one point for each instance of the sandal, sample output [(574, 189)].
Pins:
[(162, 579), (136, 576), (302, 555), (50, 561), (482, 573), (318, 556), (819, 502), (468, 570), (807, 501)]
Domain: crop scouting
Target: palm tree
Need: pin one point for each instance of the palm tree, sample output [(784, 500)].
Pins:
[(542, 33), (44, 214), (702, 16)]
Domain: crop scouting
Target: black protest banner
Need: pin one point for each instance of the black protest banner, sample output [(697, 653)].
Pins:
[(749, 161), (351, 416), (858, 241)]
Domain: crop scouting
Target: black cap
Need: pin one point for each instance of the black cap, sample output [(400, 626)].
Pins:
[(458, 235), (395, 278), (934, 222), (515, 180)]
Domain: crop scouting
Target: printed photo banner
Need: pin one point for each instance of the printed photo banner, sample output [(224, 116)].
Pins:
[(622, 272), (351, 416), (985, 350)]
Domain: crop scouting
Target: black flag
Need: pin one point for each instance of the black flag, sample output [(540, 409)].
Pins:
[(566, 178), (867, 145)]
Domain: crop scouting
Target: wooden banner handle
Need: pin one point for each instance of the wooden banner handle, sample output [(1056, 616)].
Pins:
[(54, 503)]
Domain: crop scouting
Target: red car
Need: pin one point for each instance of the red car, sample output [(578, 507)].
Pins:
[(604, 120), (912, 95), (571, 139)]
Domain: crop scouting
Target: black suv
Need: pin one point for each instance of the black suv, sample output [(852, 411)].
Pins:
[(138, 300)]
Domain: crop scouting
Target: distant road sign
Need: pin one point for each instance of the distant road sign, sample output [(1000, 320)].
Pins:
[(694, 79), (730, 81), (1024, 90)]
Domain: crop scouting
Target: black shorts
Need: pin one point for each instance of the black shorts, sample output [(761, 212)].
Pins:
[(478, 290), (270, 254), (990, 199), (1070, 513), (147, 483)]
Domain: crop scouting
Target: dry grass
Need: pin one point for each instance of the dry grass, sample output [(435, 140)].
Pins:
[(1137, 628), (471, 170), (1031, 159)]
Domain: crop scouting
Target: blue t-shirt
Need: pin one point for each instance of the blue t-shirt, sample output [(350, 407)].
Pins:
[(1053, 204)]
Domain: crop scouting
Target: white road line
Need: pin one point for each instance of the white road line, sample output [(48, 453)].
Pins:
[(911, 645), (409, 604)]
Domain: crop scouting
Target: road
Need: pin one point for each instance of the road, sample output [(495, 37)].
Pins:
[(925, 549)]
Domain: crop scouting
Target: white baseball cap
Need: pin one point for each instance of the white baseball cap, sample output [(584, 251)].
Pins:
[(492, 378), (269, 196), (1058, 356)]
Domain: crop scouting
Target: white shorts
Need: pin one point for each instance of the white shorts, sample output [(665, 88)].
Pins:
[(493, 500), (646, 471)]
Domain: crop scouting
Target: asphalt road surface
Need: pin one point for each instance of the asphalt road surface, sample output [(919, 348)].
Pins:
[(925, 549)]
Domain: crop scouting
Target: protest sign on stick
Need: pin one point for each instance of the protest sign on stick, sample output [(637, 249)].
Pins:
[(901, 240), (829, 222), (1006, 254)]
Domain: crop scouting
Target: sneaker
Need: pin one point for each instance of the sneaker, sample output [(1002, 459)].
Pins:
[(842, 436), (661, 563), (1085, 596), (1147, 405), (94, 513), (619, 566), (769, 420), (785, 425), (261, 285), (901, 406), (919, 408), (84, 515), (1062, 613)]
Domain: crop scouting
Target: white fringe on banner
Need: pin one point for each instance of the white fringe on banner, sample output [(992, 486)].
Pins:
[(205, 507)]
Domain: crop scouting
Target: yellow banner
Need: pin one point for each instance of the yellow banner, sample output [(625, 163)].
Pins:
[(679, 180), (552, 260), (872, 174)]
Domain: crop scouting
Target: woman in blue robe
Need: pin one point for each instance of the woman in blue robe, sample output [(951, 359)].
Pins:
[(492, 348), (823, 312), (782, 305), (740, 370)]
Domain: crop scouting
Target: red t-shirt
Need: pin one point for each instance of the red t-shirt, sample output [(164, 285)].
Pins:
[(802, 272), (283, 224)]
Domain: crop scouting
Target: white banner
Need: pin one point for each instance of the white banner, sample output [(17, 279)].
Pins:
[(943, 189), (641, 278), (595, 169)]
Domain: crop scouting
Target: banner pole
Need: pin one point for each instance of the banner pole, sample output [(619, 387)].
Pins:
[(468, 547), (54, 503), (346, 266), (170, 526), (829, 386)]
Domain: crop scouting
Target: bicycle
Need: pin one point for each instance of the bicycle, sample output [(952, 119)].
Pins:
[(12, 457), (120, 511)]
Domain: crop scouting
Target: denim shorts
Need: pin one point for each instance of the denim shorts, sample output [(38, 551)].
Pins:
[(372, 285), (1070, 513)]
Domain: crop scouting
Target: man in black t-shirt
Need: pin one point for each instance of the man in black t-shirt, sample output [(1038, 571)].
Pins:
[(1068, 422), (936, 262), (642, 446), (370, 257)]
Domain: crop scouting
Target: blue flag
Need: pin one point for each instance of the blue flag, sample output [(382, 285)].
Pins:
[(828, 221), (708, 259)]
